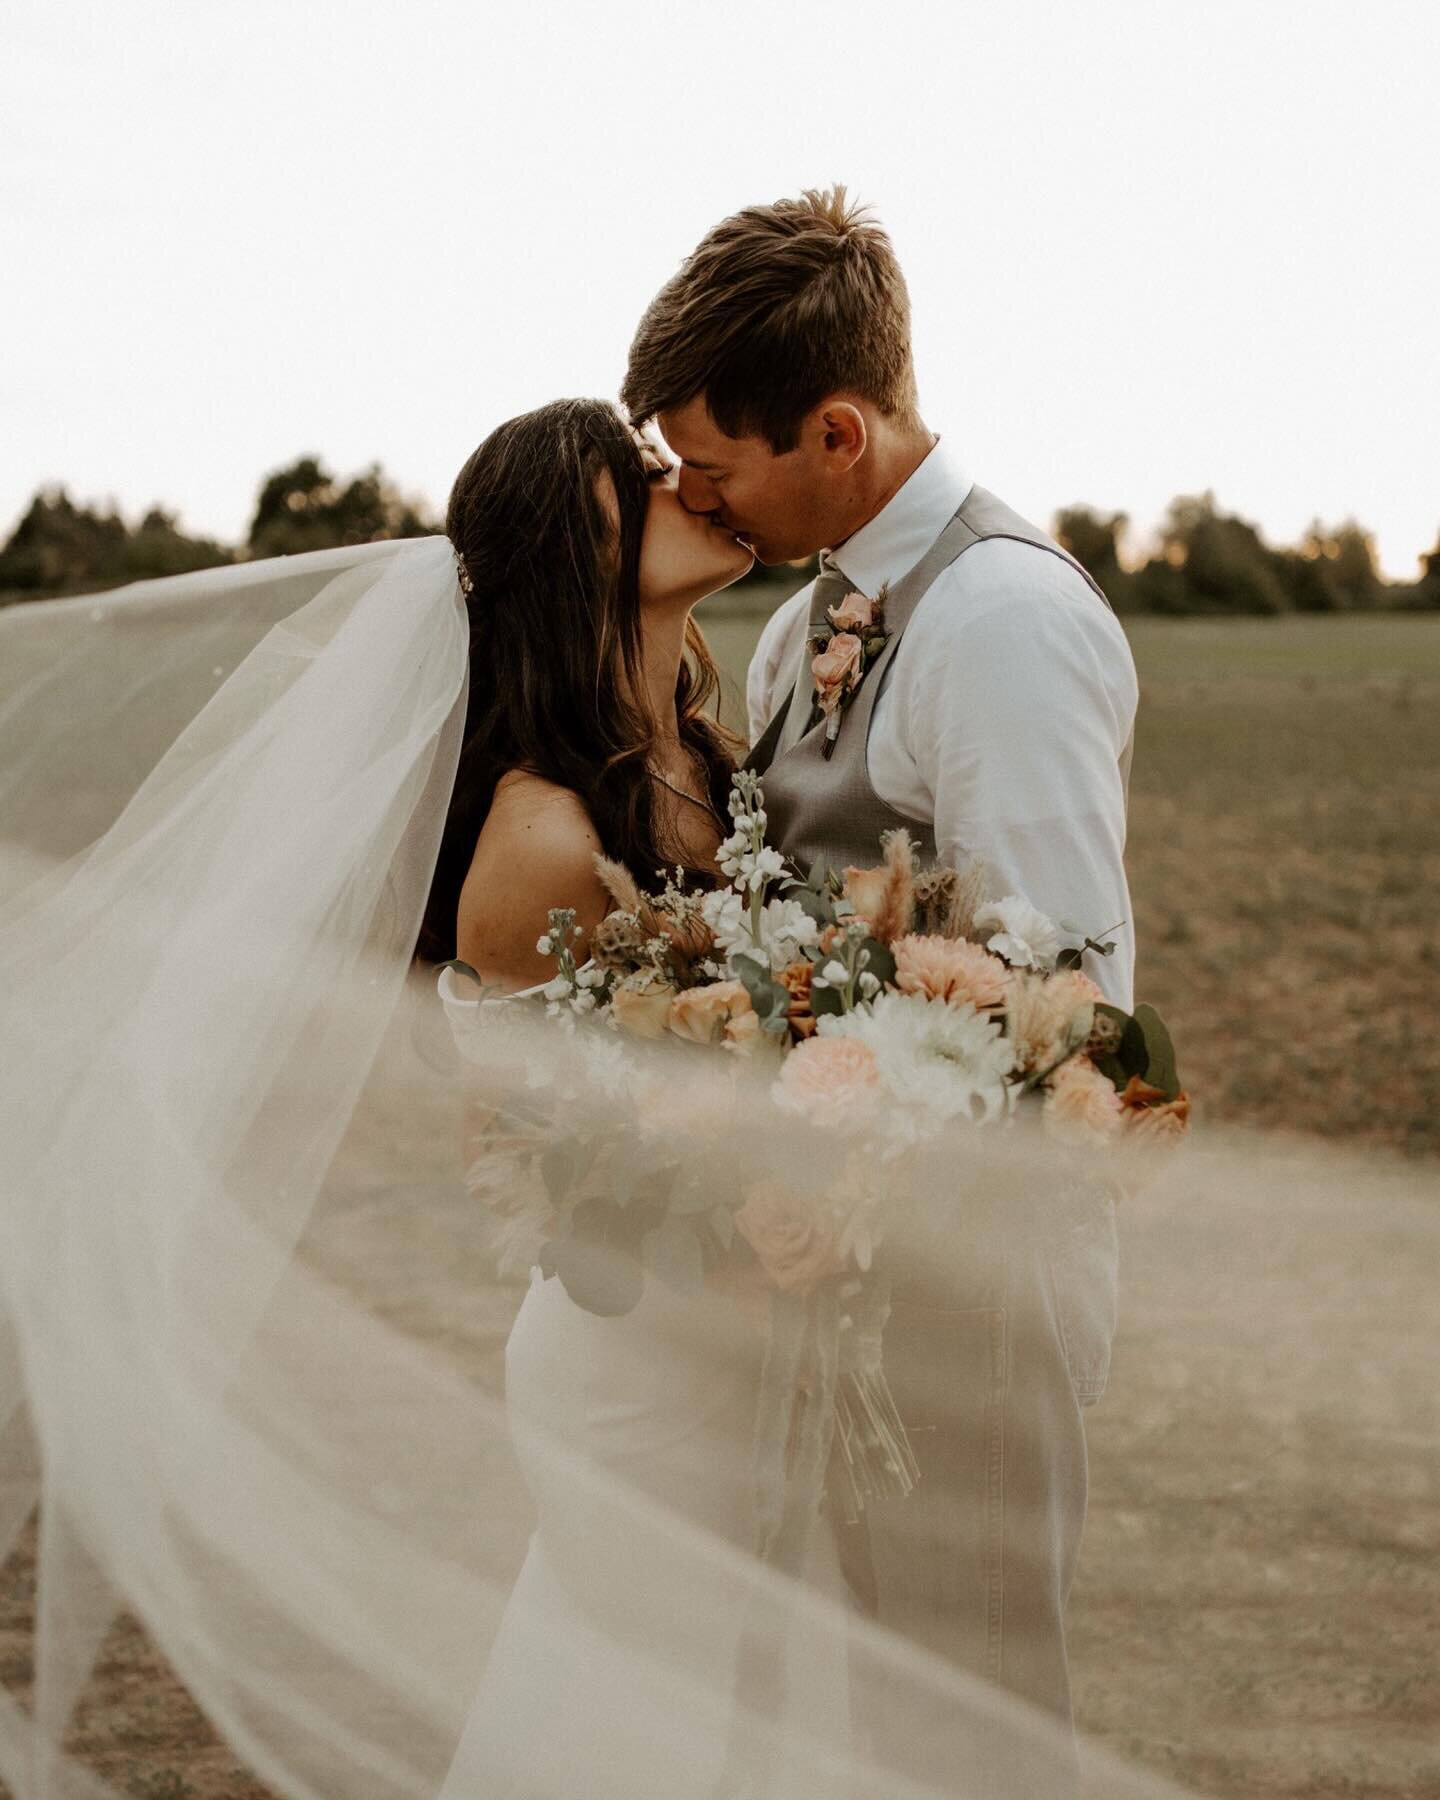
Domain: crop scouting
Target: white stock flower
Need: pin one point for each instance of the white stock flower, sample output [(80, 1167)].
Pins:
[(786, 929), (1025, 937), (938, 1061)]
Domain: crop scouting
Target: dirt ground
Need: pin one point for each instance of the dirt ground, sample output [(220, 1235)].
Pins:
[(1258, 1606)]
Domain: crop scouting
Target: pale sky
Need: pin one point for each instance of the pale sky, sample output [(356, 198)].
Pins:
[(1152, 247)]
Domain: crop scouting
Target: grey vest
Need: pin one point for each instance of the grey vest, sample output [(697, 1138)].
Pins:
[(828, 812)]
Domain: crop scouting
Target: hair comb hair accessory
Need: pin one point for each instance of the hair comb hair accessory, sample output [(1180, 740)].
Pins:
[(467, 586)]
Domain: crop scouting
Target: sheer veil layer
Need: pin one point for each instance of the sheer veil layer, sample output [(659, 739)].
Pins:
[(250, 1329)]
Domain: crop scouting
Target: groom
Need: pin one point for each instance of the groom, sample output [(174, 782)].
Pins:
[(996, 722)]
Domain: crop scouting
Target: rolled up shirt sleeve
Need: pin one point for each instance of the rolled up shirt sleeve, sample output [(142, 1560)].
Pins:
[(1011, 699)]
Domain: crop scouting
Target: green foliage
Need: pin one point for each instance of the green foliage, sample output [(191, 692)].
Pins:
[(1130, 1055), (61, 548), (770, 1000), (598, 1257), (303, 507), (1210, 561), (1093, 539), (1160, 1069)]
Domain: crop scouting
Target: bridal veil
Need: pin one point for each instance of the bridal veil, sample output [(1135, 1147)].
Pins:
[(250, 1326)]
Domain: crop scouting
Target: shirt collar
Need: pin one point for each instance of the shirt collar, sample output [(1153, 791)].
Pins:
[(889, 545)]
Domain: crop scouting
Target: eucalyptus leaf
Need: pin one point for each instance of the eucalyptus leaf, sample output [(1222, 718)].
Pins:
[(1134, 1053), (881, 963), (598, 1277), (1160, 1069), (1109, 1067), (826, 1000), (770, 1000), (814, 902), (1069, 958)]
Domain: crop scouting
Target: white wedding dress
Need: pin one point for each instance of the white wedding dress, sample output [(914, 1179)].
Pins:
[(610, 1601)]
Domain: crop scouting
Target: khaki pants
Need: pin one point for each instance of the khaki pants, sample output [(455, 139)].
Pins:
[(990, 1356)]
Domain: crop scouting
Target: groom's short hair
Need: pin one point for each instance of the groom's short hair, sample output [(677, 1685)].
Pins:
[(774, 309)]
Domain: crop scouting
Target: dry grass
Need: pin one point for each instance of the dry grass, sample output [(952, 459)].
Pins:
[(1258, 1602)]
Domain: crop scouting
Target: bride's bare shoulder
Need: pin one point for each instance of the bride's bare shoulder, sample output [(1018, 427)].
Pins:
[(535, 851), (521, 793)]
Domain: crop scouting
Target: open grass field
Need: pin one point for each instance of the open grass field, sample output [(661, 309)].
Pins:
[(1258, 1607)]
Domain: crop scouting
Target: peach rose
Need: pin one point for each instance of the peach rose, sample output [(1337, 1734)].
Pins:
[(949, 969), (836, 670), (856, 612), (643, 1011), (743, 1032), (1040, 1011), (1081, 1105), (703, 1014), (796, 1245), (829, 1080)]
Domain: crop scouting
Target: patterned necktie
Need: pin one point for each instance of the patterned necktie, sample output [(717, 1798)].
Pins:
[(831, 587)]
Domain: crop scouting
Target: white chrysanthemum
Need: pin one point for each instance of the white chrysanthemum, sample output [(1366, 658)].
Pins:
[(1025, 937), (786, 929), (941, 1061)]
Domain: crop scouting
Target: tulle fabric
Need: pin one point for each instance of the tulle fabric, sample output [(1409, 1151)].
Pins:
[(250, 1327)]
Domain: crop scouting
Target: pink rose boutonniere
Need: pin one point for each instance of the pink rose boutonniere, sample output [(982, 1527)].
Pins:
[(840, 653)]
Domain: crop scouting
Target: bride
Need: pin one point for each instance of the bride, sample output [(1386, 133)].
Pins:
[(586, 734)]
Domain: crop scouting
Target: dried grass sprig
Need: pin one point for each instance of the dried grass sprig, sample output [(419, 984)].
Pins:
[(620, 884)]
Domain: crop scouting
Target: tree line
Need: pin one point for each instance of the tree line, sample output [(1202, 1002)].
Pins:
[(1205, 560), (60, 547)]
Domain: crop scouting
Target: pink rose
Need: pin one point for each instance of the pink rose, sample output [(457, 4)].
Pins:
[(854, 613), (1081, 1105), (795, 1243), (837, 670), (829, 1080)]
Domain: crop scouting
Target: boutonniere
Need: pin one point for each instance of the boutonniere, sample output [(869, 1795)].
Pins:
[(840, 653)]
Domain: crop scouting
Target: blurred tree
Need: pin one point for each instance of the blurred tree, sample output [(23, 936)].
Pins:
[(61, 548), (1093, 539), (1345, 559), (1224, 565), (303, 507), (158, 547), (1426, 591)]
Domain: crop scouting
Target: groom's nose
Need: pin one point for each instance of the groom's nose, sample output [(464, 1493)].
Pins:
[(696, 493)]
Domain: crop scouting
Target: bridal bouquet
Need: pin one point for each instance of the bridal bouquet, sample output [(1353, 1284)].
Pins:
[(870, 1011)]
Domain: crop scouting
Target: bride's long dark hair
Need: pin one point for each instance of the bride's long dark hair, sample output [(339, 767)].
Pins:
[(555, 645)]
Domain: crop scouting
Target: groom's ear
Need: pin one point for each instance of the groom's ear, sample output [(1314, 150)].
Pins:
[(836, 432)]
